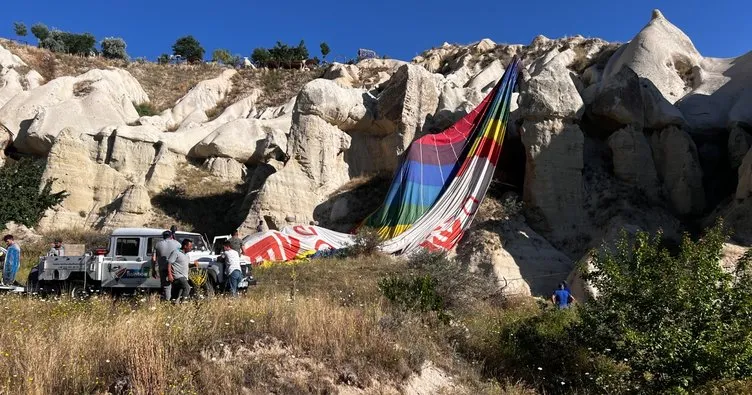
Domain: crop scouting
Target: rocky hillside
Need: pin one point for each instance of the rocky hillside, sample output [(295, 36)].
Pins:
[(647, 134)]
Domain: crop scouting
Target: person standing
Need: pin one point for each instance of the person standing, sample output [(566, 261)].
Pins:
[(162, 251), (177, 270), (236, 243), (57, 248), (562, 298), (232, 267), (12, 260)]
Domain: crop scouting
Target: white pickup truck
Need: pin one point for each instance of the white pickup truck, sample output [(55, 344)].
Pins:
[(126, 267)]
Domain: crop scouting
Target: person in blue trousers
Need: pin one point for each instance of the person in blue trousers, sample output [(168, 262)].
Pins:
[(12, 260)]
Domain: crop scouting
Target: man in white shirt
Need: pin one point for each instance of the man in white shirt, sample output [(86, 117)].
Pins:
[(57, 248), (232, 267)]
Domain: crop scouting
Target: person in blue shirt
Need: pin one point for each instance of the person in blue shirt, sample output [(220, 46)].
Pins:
[(562, 298), (12, 260)]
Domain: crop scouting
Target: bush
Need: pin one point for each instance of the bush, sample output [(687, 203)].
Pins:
[(188, 48), (54, 44), (280, 56), (40, 31), (20, 29), (678, 319), (366, 242), (163, 59), (114, 48), (70, 43), (21, 198), (145, 109), (413, 293), (459, 287), (222, 56)]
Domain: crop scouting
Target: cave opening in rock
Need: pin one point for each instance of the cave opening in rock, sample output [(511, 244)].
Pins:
[(510, 170)]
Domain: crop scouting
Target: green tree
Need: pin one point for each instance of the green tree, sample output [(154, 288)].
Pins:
[(24, 196), (114, 48), (222, 55), (40, 31), (301, 52), (188, 48), (71, 43), (54, 43), (163, 59), (677, 320), (324, 49), (20, 29), (261, 57)]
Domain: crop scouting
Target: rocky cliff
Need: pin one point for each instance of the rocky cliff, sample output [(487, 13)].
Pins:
[(647, 134)]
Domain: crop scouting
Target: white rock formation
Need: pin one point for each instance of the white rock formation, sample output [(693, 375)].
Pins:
[(721, 96), (202, 97), (633, 161), (661, 53), (522, 261), (678, 165), (85, 103), (549, 103)]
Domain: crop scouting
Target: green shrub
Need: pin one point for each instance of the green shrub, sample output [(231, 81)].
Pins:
[(70, 43), (21, 198), (280, 56), (222, 56), (459, 287), (114, 48), (678, 320), (366, 242), (413, 293), (163, 59), (145, 109)]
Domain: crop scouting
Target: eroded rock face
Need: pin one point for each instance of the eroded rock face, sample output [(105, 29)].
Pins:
[(314, 169), (661, 53), (553, 175), (721, 97), (550, 92), (105, 174), (678, 165), (738, 145), (192, 107), (85, 103), (410, 96), (633, 161), (522, 261)]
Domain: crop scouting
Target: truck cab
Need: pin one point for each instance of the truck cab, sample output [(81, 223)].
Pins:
[(126, 264)]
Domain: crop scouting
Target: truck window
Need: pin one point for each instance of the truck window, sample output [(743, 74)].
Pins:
[(127, 247), (151, 243), (198, 242)]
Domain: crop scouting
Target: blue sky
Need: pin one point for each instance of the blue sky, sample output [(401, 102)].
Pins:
[(399, 29)]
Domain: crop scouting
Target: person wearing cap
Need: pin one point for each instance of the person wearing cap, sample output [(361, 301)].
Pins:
[(162, 251), (57, 248)]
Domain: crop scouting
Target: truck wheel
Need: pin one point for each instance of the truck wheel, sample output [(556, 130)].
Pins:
[(32, 282), (76, 290)]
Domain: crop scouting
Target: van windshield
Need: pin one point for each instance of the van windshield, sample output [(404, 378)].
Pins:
[(198, 241)]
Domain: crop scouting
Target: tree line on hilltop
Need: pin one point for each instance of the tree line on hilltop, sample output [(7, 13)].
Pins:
[(186, 48)]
